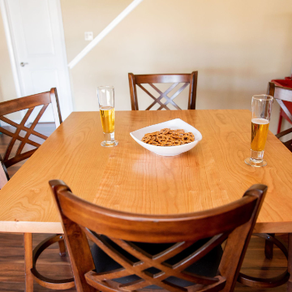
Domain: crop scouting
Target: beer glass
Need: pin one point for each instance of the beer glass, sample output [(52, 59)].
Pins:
[(106, 101), (261, 108)]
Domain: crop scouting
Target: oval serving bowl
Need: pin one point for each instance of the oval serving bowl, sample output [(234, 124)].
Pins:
[(167, 150)]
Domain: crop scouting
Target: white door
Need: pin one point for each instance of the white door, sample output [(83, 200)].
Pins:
[(37, 39)]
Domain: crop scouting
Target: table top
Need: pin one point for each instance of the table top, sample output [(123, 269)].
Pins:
[(131, 178)]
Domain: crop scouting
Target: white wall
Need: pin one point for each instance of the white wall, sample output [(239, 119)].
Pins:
[(237, 47)]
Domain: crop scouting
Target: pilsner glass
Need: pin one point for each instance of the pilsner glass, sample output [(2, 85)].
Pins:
[(261, 108), (106, 100)]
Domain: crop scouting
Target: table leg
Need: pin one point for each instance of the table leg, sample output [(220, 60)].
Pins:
[(289, 283), (28, 262)]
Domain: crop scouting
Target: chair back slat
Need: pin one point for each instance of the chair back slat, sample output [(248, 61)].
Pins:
[(162, 78), (31, 101), (183, 80), (120, 234)]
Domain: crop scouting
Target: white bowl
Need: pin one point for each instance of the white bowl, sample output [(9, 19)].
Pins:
[(167, 150)]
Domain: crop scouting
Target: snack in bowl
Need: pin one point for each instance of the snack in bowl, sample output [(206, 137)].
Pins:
[(175, 124), (168, 137)]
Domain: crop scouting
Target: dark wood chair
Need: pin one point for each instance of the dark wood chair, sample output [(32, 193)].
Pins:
[(19, 119), (178, 82), (232, 224), (283, 95)]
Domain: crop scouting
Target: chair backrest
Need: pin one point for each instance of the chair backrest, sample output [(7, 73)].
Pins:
[(282, 95), (25, 139), (178, 82), (82, 220)]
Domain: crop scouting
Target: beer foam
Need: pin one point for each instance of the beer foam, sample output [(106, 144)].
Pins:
[(260, 121)]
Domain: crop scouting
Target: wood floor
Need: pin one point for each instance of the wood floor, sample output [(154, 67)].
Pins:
[(51, 264)]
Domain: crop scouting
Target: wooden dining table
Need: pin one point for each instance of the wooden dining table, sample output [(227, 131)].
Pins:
[(130, 178)]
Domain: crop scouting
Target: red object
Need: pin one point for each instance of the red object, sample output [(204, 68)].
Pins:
[(287, 82)]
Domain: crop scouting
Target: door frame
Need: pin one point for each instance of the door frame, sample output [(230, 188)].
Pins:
[(11, 50), (10, 47)]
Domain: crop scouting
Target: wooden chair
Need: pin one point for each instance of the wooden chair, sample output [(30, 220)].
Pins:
[(178, 83), (25, 139), (282, 95), (82, 220)]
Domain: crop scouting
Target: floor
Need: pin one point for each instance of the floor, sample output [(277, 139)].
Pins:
[(51, 264)]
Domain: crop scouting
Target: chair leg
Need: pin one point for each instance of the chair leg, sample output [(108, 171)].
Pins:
[(62, 248), (280, 122), (269, 247), (54, 284), (276, 280), (28, 262)]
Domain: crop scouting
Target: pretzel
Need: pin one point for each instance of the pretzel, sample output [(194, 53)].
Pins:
[(168, 137)]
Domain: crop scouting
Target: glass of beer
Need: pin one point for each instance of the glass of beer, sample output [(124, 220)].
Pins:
[(106, 101), (261, 108)]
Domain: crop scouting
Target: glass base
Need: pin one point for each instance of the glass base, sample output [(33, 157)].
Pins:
[(109, 140), (255, 163), (109, 143)]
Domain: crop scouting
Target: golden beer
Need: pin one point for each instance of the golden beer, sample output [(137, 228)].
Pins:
[(107, 116), (259, 133)]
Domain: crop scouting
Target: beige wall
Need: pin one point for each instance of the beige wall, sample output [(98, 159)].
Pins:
[(7, 88), (237, 47)]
